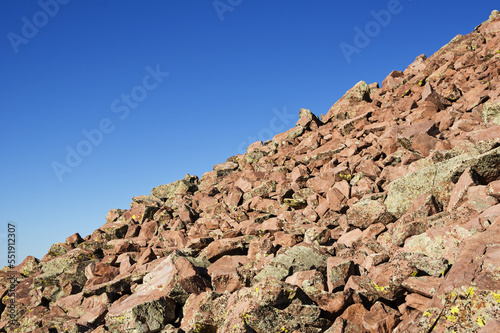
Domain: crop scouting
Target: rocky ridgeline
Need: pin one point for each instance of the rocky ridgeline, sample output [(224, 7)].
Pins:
[(383, 216)]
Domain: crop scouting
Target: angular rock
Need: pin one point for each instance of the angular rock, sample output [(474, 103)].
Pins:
[(438, 179), (366, 212), (338, 271), (298, 258)]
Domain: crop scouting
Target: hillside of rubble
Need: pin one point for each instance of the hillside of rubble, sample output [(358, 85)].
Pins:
[(382, 216)]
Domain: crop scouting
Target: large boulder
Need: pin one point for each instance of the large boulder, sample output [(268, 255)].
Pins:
[(439, 178)]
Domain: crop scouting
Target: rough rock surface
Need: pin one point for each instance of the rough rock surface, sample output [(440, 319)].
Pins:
[(383, 216)]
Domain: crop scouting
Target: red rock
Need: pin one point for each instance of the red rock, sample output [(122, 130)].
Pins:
[(353, 317), (418, 302), (70, 304), (335, 200), (74, 240), (95, 308), (283, 208), (429, 95), (320, 185), (139, 213), (373, 231), (380, 318), (148, 230), (475, 96), (393, 80), (308, 120), (466, 180), (299, 173), (114, 214), (406, 104), (368, 168), (224, 273), (424, 143), (146, 256), (221, 247), (103, 270), (317, 235), (234, 198), (332, 303), (28, 267), (270, 225), (423, 285)]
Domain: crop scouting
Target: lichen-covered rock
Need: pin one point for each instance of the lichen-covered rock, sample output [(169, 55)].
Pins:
[(383, 218), (491, 112), (438, 179), (178, 187), (296, 259), (367, 212), (266, 307)]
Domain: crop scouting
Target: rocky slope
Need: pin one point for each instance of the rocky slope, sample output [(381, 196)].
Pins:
[(383, 216)]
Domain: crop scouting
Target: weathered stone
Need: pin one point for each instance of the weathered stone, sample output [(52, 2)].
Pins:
[(338, 271), (178, 187), (224, 273), (380, 318), (366, 212), (438, 179), (296, 259)]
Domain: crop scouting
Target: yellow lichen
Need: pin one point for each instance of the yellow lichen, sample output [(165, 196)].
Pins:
[(480, 321), (379, 288), (455, 310), (427, 314), (470, 291), (452, 318)]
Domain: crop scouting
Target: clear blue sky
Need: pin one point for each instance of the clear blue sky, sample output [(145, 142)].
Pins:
[(236, 71)]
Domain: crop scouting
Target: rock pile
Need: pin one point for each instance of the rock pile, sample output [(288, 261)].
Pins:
[(383, 216)]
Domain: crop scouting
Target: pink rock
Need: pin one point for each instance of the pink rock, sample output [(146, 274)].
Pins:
[(479, 199), (350, 238), (491, 215), (494, 189)]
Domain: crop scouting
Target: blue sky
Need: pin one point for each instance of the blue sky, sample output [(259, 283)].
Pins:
[(103, 100)]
